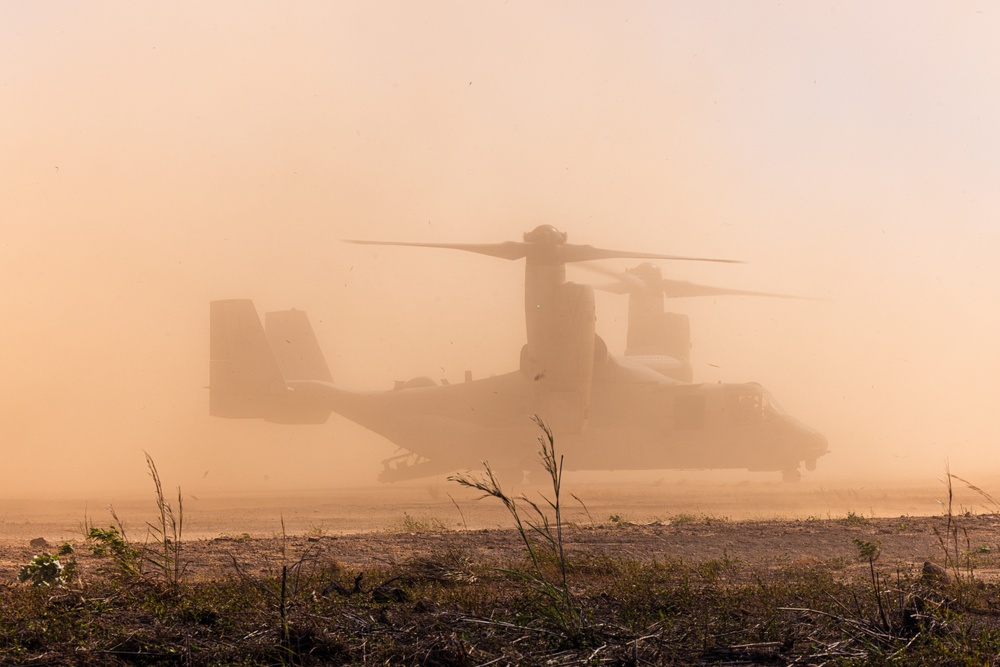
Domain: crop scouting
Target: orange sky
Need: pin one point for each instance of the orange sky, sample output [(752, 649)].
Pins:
[(155, 157)]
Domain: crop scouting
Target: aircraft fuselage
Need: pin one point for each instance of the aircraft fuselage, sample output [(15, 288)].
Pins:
[(633, 424)]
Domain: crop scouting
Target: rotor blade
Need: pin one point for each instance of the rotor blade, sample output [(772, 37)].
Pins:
[(623, 282), (583, 253), (675, 289), (678, 289), (566, 252), (617, 288), (508, 250)]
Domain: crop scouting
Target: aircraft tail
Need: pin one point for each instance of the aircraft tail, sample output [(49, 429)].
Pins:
[(295, 347), (250, 364)]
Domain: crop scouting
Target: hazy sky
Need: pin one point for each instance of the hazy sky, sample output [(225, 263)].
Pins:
[(156, 156)]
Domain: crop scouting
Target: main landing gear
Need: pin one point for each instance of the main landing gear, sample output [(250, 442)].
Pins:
[(791, 475)]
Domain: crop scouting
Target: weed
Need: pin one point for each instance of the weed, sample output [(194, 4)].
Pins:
[(584, 506), (465, 525), (961, 563), (168, 531), (48, 571), (541, 536), (854, 519), (411, 524), (164, 555), (112, 541), (280, 592), (870, 551)]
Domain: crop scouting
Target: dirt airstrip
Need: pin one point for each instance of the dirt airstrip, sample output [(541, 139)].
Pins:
[(693, 516)]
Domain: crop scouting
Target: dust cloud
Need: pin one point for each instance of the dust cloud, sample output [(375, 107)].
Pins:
[(155, 158)]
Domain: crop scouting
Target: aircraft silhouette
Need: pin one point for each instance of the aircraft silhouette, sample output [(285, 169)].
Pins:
[(636, 412)]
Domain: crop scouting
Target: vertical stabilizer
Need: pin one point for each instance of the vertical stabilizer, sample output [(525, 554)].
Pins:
[(244, 378), (295, 347)]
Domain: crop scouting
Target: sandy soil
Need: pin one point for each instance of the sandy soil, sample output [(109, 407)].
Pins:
[(444, 504), (694, 518)]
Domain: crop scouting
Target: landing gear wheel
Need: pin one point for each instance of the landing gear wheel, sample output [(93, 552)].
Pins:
[(791, 475)]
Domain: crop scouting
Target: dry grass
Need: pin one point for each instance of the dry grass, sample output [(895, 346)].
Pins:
[(452, 608)]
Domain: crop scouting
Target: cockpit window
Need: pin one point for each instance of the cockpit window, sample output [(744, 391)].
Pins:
[(747, 405), (770, 405)]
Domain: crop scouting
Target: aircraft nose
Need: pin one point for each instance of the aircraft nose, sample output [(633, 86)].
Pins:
[(812, 442), (815, 446), (820, 442)]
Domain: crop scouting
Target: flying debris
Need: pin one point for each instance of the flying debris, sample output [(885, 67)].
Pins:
[(639, 411)]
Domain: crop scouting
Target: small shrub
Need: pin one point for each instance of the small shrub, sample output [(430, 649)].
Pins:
[(854, 519), (48, 571), (411, 524), (113, 542)]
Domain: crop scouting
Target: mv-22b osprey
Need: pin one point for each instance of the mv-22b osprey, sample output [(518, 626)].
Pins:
[(637, 412)]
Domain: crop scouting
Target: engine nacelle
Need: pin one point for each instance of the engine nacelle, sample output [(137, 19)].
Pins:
[(654, 334), (675, 336), (562, 366)]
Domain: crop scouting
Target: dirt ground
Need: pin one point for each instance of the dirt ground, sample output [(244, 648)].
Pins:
[(762, 522)]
